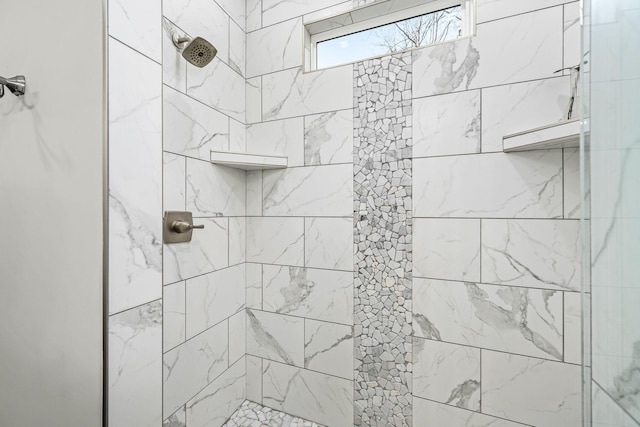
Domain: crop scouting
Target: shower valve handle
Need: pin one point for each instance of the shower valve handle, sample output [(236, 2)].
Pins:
[(183, 227)]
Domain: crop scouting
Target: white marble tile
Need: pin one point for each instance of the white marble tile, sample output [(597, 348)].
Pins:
[(201, 18), (138, 24), (135, 155), (253, 89), (572, 34), (193, 365), (446, 124), (607, 326), (573, 327), (307, 292), (253, 286), (447, 248), (330, 17), (218, 86), (428, 413), (307, 191), (606, 413), (536, 253), (237, 240), (220, 399), (191, 128), (174, 66), (504, 318), (489, 10), (174, 315), (254, 378), (572, 183), (278, 137), (533, 50), (173, 182), (328, 243), (135, 366), (317, 397), (214, 190), (328, 348), (177, 419), (254, 15), (236, 11), (207, 251), (615, 243), (213, 297), (618, 376), (237, 136), (237, 336), (292, 93), (328, 138), (616, 344), (274, 48), (254, 193), (519, 107), (447, 373), (279, 10), (275, 240), (499, 185), (531, 391), (275, 337)]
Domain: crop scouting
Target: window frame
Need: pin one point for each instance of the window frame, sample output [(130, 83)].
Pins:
[(312, 40)]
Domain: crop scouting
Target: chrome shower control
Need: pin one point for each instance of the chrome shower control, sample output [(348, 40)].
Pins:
[(183, 227), (177, 227)]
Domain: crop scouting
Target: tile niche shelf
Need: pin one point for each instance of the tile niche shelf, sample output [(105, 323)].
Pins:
[(564, 134), (247, 161)]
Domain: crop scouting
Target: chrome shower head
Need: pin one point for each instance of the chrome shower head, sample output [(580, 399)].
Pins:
[(198, 51)]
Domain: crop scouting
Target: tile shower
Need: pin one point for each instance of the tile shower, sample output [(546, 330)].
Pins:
[(402, 270)]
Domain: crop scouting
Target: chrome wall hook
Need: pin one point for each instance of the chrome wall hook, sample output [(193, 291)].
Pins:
[(17, 85)]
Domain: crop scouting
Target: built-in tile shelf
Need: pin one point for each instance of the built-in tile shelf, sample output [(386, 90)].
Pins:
[(558, 135), (247, 161)]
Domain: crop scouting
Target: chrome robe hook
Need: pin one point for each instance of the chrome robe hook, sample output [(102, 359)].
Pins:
[(17, 85)]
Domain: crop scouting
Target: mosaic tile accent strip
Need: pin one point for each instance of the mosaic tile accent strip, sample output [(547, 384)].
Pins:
[(382, 236), (251, 414)]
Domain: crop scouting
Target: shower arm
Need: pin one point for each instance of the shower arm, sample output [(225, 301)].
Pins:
[(179, 41)]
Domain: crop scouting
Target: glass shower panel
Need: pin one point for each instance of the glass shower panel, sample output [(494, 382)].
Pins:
[(611, 215)]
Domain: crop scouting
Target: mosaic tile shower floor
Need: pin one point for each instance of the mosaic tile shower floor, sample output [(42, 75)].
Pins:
[(251, 414)]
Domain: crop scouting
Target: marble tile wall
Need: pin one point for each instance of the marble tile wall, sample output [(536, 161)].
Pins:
[(495, 247), (299, 223), (497, 254), (613, 154), (177, 321)]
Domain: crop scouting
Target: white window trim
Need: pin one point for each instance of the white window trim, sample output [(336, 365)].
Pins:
[(312, 40)]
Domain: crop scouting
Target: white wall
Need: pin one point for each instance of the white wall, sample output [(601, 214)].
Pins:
[(51, 195)]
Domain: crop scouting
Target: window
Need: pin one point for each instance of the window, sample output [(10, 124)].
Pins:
[(376, 30)]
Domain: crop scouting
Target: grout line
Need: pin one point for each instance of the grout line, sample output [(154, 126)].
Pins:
[(510, 353), (134, 307), (304, 369), (473, 217), (615, 402), (300, 317), (498, 284), (135, 50), (203, 388), (471, 411), (203, 274), (202, 332), (524, 13)]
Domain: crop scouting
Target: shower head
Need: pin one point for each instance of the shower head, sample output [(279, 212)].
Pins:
[(17, 85), (198, 51)]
